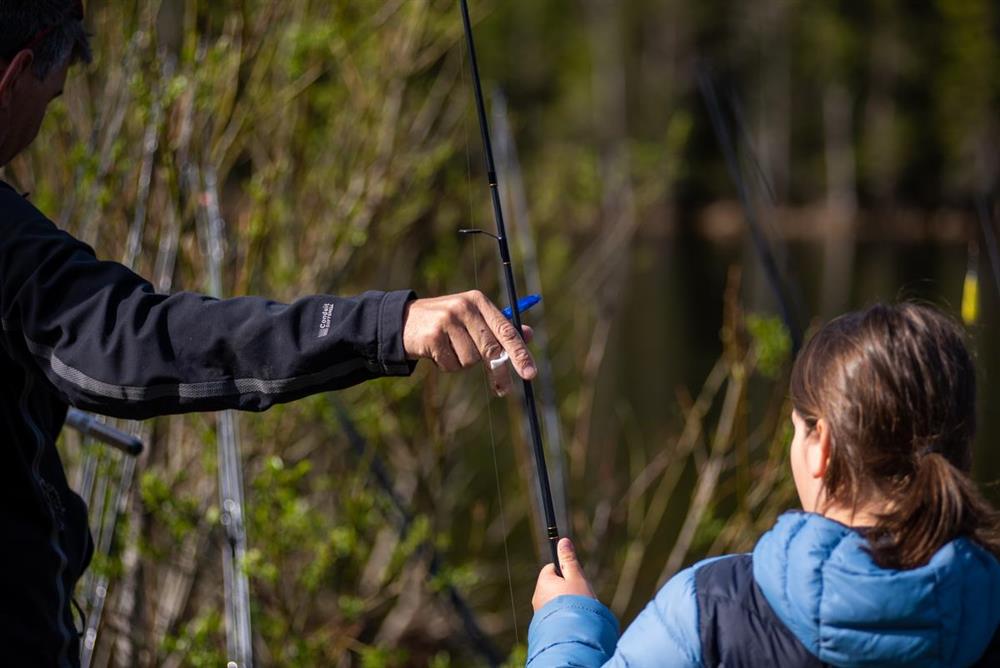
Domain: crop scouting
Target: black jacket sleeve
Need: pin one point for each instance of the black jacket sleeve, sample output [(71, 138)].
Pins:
[(109, 344)]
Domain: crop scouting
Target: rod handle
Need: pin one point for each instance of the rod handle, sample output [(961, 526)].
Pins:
[(90, 426)]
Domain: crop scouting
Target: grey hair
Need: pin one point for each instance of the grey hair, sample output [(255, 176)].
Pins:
[(22, 20)]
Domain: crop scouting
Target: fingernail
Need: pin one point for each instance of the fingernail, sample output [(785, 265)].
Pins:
[(530, 370)]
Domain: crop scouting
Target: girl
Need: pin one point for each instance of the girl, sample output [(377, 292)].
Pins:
[(893, 562)]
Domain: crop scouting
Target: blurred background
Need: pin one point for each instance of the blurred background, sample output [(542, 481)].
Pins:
[(690, 185)]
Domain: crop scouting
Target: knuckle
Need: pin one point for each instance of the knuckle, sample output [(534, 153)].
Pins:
[(508, 332), (492, 350), (440, 340), (522, 356), (463, 308), (439, 323), (466, 310), (446, 362)]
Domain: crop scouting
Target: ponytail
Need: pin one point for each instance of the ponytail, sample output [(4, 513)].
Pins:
[(937, 504), (897, 386)]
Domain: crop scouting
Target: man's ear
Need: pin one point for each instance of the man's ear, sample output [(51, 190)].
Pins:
[(13, 74), (817, 449)]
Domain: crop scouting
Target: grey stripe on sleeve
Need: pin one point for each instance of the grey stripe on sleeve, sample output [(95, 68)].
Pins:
[(204, 390)]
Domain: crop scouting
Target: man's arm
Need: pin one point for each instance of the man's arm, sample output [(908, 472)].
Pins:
[(109, 344)]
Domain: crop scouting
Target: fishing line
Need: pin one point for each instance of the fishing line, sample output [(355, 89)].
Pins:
[(405, 520), (486, 378), (528, 392)]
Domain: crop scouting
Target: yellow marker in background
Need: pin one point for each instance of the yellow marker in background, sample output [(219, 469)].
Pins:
[(970, 298), (970, 290)]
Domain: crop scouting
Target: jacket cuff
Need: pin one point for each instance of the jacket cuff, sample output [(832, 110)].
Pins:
[(392, 359), (573, 620)]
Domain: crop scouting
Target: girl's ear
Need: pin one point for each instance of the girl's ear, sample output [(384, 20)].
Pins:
[(817, 449)]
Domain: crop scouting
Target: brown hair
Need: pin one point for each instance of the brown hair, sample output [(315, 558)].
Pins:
[(896, 384), (53, 29)]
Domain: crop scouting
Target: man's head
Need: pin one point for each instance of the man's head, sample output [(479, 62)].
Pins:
[(39, 40)]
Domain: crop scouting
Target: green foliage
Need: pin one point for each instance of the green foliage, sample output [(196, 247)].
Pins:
[(374, 657), (199, 641), (176, 512), (772, 342), (518, 657)]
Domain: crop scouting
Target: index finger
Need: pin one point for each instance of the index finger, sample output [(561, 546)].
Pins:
[(548, 571), (509, 338)]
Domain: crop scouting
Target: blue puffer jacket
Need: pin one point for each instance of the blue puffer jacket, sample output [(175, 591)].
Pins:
[(814, 590)]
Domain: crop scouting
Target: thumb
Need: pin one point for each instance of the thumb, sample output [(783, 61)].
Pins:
[(570, 565)]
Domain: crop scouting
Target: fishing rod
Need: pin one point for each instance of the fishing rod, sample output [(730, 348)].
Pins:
[(510, 169), (106, 510), (984, 213), (105, 507), (760, 243), (404, 523), (90, 427), (551, 528)]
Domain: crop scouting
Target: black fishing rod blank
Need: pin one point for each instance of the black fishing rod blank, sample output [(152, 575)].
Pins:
[(760, 243), (551, 528), (510, 168), (404, 522), (984, 213)]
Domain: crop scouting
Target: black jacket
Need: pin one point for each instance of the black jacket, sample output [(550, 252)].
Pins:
[(92, 334)]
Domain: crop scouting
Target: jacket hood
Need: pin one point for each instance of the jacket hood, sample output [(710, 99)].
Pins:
[(823, 584)]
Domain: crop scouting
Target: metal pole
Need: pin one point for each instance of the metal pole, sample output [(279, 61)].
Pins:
[(239, 634)]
